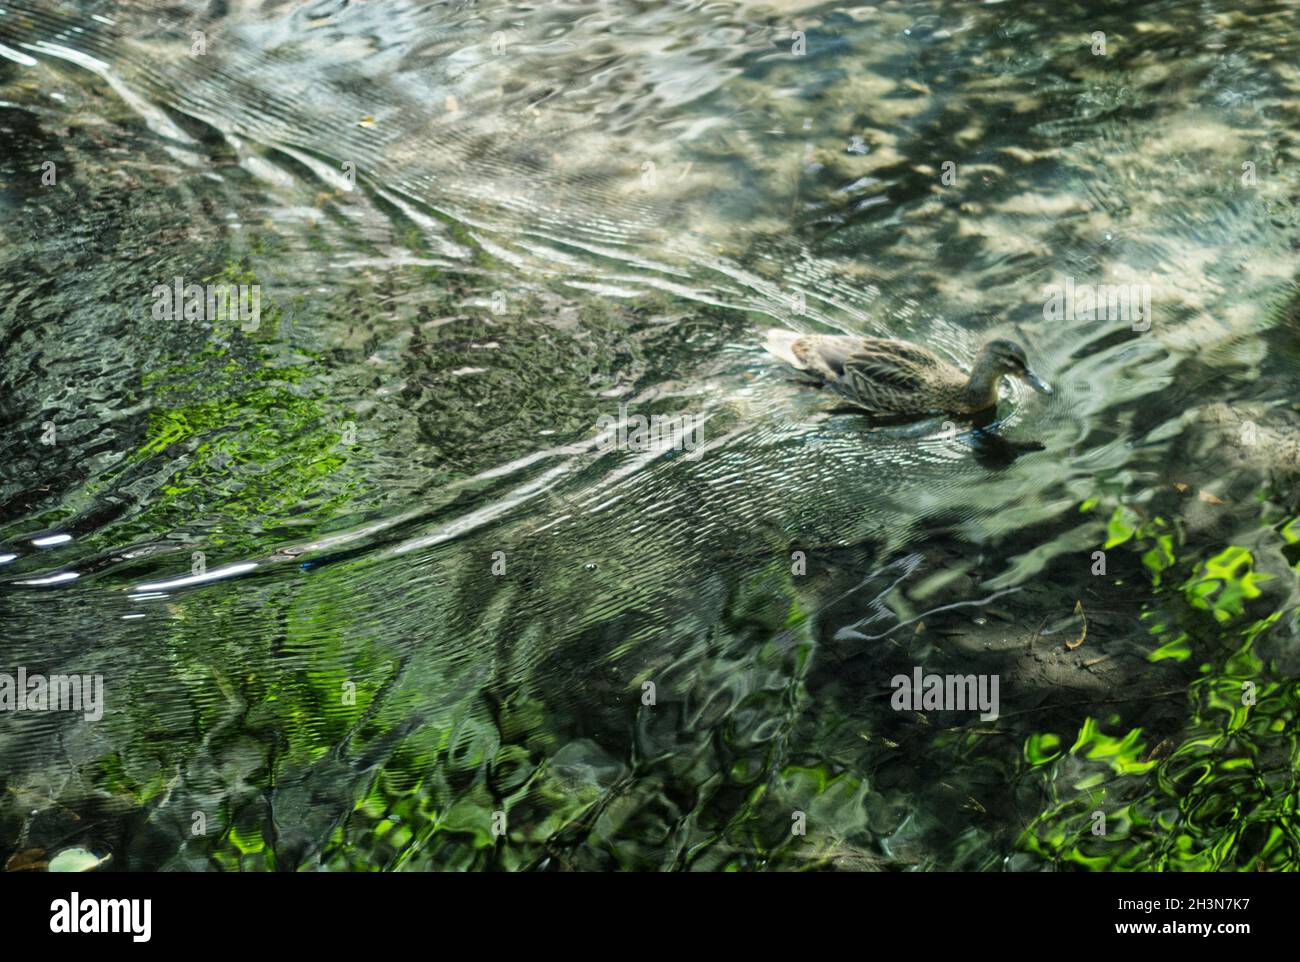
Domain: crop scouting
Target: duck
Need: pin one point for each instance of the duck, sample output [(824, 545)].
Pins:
[(893, 378)]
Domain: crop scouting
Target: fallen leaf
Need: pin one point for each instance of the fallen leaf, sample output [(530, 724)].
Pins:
[(1078, 610), (1210, 498), (77, 860), (31, 860), (1180, 487)]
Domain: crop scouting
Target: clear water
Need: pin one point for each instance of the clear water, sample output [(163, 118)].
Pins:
[(363, 584)]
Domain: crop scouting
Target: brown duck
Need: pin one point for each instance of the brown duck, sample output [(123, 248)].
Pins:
[(892, 378)]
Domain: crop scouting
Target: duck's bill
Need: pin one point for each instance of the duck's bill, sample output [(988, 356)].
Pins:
[(1037, 383)]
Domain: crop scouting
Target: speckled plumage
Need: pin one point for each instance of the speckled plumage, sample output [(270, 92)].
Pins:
[(896, 378)]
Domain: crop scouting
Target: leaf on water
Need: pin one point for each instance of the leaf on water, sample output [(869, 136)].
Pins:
[(1078, 610), (77, 860)]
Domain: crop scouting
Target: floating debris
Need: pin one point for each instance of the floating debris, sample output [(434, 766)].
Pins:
[(77, 860)]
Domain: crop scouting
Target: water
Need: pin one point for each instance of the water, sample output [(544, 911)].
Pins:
[(367, 590)]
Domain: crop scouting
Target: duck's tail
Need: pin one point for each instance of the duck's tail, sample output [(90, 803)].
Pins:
[(780, 343)]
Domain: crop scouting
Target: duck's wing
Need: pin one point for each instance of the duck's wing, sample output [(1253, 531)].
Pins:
[(877, 382), (891, 375)]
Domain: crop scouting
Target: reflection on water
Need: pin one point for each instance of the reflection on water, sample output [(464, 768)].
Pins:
[(363, 576)]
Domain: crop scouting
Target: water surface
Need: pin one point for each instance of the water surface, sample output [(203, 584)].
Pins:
[(365, 584)]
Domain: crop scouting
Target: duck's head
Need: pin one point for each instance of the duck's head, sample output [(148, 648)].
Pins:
[(1008, 357)]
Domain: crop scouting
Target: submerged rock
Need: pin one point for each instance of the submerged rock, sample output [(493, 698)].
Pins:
[(1245, 447)]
